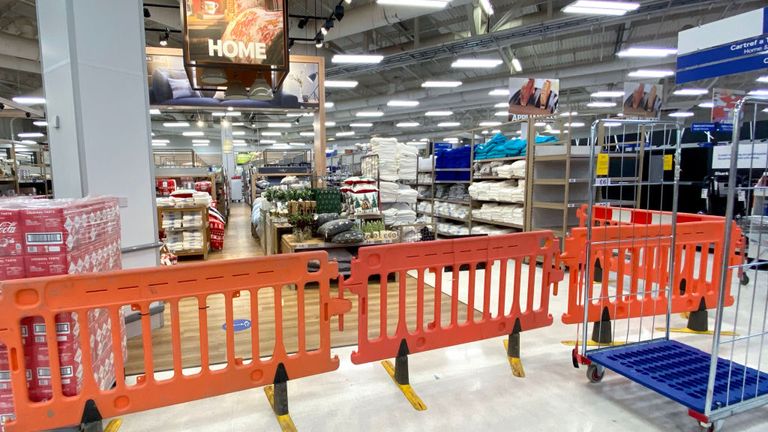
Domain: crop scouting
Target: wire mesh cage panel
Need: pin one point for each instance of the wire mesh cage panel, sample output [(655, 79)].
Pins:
[(643, 269)]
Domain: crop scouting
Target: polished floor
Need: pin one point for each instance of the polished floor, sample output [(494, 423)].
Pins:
[(471, 388)]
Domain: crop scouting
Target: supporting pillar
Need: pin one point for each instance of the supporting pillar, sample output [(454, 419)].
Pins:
[(98, 108)]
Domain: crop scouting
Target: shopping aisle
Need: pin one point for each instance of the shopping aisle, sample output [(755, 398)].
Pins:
[(238, 241)]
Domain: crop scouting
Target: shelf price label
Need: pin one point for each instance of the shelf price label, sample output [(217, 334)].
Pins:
[(602, 164), (668, 162)]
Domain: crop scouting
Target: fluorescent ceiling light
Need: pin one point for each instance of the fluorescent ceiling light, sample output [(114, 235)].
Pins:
[(271, 133), (406, 124), (345, 133), (487, 7), (501, 114), (307, 134), (360, 125), (502, 105), (175, 124), (539, 124), (516, 65), (424, 139), (449, 124), (233, 114), (238, 144), (40, 123), (369, 114), (160, 141), (612, 124), (300, 114), (29, 100), (238, 133), (437, 4), (651, 73), (595, 7), (760, 92), (646, 52), (441, 84), (238, 141), (199, 144), (154, 111), (569, 114), (413, 143), (402, 103), (707, 105), (763, 79), (238, 124), (690, 92), (278, 125), (438, 113), (552, 131), (495, 131), (574, 125), (329, 104), (193, 133), (451, 140), (330, 124), (598, 104), (356, 59), (489, 123), (154, 144), (28, 142), (607, 94), (476, 63), (219, 114), (267, 141), (681, 114), (765, 110), (30, 135), (340, 84), (201, 141), (499, 92)]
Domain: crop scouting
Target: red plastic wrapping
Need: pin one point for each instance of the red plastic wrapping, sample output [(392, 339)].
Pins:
[(55, 237)]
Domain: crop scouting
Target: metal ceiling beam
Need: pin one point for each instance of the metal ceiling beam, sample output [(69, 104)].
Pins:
[(561, 25)]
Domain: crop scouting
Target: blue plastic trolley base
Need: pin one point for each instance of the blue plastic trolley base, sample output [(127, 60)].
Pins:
[(681, 372)]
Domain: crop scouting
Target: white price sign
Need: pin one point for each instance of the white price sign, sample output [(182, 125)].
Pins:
[(750, 156)]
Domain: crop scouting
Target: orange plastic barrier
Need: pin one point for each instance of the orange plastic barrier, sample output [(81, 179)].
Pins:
[(607, 215), (636, 252), (46, 297), (513, 254)]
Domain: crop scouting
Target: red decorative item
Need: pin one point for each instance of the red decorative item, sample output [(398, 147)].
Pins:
[(204, 186)]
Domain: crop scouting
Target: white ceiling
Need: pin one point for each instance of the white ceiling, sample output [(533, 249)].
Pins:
[(419, 44)]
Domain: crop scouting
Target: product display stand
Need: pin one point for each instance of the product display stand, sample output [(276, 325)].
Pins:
[(202, 211), (27, 172), (559, 180)]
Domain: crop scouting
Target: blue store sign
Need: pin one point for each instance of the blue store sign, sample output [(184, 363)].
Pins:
[(238, 325)]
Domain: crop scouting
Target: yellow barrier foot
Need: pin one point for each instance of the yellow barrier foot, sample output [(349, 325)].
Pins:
[(514, 362), (285, 420), (114, 425), (699, 332), (407, 390), (591, 343)]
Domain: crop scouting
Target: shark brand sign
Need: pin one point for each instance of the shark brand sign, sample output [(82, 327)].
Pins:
[(729, 46)]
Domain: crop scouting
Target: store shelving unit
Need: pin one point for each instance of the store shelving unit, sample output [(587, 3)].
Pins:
[(201, 228), (278, 164), (27, 171), (187, 176), (559, 180)]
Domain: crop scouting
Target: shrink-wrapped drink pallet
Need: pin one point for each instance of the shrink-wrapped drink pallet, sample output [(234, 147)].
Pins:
[(55, 237)]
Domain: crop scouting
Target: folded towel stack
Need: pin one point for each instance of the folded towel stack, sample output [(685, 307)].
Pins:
[(395, 217), (512, 191), (386, 148), (500, 213), (515, 169), (407, 161)]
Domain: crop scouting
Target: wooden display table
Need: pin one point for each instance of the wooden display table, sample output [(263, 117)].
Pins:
[(289, 245)]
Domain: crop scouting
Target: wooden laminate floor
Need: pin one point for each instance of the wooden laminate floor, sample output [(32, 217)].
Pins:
[(239, 244)]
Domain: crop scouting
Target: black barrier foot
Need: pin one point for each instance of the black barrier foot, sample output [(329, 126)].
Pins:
[(698, 323), (512, 345), (91, 419), (601, 330), (277, 394), (399, 374)]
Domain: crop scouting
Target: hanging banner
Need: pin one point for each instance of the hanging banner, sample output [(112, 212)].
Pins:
[(237, 32), (531, 96), (723, 103), (729, 46), (642, 100)]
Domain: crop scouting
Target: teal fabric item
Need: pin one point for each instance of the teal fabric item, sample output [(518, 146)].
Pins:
[(500, 147)]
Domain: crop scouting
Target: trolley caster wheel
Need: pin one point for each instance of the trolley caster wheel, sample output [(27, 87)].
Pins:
[(715, 426), (595, 373), (744, 279)]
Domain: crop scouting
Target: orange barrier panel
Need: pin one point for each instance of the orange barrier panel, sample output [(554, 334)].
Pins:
[(637, 255), (45, 297), (607, 215), (512, 255)]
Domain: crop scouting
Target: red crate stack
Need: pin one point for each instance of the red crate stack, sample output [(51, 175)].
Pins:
[(55, 237)]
